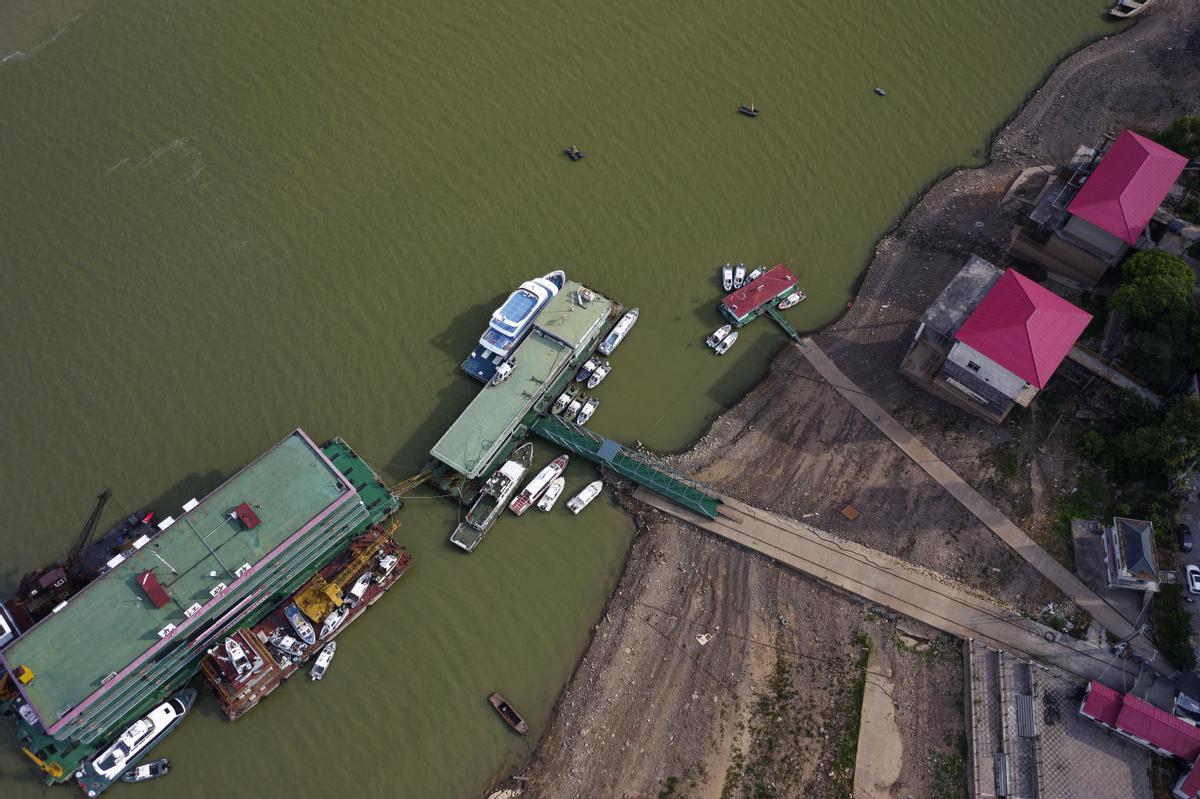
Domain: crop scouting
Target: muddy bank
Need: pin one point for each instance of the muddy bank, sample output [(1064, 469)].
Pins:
[(767, 704)]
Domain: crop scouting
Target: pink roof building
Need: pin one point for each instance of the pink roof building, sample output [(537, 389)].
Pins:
[(747, 302)]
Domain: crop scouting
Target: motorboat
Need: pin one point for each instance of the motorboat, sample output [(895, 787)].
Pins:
[(553, 492), (880, 92), (237, 658), (1124, 9), (619, 331), (538, 485), (286, 644), (333, 620), (358, 589), (795, 298), (572, 409), (597, 376), (585, 497), (147, 771), (724, 344), (717, 335), (96, 774), (323, 660), (503, 371), (739, 276), (573, 153), (727, 277), (492, 499), (560, 404), (510, 323), (755, 275), (585, 371), (750, 110), (511, 717), (387, 564), (587, 410), (300, 624)]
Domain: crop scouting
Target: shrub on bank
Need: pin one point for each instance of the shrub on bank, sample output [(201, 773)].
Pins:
[(1173, 627)]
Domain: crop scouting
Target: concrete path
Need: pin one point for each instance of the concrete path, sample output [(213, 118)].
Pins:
[(1119, 379), (880, 752), (885, 580), (985, 511)]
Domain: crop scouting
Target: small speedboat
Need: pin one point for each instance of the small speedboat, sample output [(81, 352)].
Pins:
[(553, 492), (619, 331), (1124, 9), (724, 344), (560, 404), (237, 658), (755, 275), (727, 277), (739, 276), (880, 92), (530, 494), (572, 409), (511, 717), (387, 564), (286, 644), (147, 771), (359, 589), (750, 110), (717, 335), (597, 376), (300, 624), (585, 497), (573, 153), (334, 620), (323, 660), (795, 298), (585, 371), (587, 410), (503, 371)]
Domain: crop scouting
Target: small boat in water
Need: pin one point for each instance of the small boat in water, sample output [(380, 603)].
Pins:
[(597, 376), (323, 661), (511, 717), (532, 492), (572, 409), (300, 624), (585, 497), (755, 275), (727, 277), (560, 404), (147, 771), (573, 153), (739, 276), (586, 370), (1124, 9), (334, 620), (724, 344), (503, 371), (750, 110), (718, 335), (587, 410), (619, 331), (552, 494), (880, 92), (794, 298)]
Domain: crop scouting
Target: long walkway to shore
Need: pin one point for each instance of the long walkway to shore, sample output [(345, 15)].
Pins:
[(985, 511)]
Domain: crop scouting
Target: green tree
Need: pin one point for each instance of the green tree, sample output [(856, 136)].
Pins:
[(1156, 287), (1173, 627), (1183, 136)]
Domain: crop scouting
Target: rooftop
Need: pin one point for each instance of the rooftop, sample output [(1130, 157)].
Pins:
[(113, 622), (961, 295), (1023, 327), (759, 292), (569, 320), (1126, 188), (1136, 540)]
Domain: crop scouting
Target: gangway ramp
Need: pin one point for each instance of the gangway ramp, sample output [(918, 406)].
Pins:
[(610, 454)]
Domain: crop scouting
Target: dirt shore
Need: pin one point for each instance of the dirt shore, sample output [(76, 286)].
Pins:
[(768, 705)]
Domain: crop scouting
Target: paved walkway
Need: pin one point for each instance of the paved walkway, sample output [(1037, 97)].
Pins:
[(985, 511), (885, 580), (880, 752), (1119, 379)]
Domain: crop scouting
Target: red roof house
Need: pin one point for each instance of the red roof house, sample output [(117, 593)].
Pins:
[(742, 305), (1024, 328), (1128, 186), (1102, 704)]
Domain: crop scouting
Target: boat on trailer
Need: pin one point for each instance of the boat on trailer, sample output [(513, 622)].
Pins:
[(585, 497), (511, 717), (619, 332), (323, 661), (724, 344), (538, 485), (147, 771), (718, 335), (553, 492)]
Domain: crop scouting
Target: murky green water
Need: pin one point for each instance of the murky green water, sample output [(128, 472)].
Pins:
[(221, 222)]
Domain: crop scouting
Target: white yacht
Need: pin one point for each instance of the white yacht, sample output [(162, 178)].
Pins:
[(552, 494), (792, 299), (532, 492), (510, 323), (118, 757), (739, 276), (601, 372), (717, 335), (727, 277), (619, 331), (755, 275), (334, 620), (323, 660), (585, 497), (587, 410), (560, 404), (724, 344), (572, 409)]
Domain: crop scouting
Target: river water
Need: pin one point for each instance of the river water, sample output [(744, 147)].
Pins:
[(222, 221)]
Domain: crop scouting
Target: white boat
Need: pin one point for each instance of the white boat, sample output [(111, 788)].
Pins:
[(532, 492), (572, 409), (493, 499), (139, 738), (739, 276), (1124, 9), (794, 298), (323, 660), (510, 323), (301, 625), (560, 404), (587, 410), (386, 564), (503, 371), (586, 370), (287, 644), (755, 275), (727, 277), (717, 335), (619, 331), (359, 589), (725, 343), (597, 376), (333, 620), (585, 497), (237, 658), (552, 494)]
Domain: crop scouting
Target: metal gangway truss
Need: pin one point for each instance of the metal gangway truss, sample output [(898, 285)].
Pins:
[(610, 454)]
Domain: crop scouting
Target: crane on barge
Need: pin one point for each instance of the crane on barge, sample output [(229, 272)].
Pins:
[(320, 596)]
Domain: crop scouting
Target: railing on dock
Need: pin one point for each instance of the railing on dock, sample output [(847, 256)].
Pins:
[(774, 313), (611, 455)]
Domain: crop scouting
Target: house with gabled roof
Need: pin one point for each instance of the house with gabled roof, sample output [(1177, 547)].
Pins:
[(991, 340), (1098, 208), (1130, 556)]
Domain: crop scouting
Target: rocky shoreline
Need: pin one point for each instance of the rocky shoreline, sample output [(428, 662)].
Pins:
[(652, 711)]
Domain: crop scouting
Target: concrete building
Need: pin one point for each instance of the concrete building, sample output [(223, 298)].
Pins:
[(991, 340), (1097, 209), (1130, 556)]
